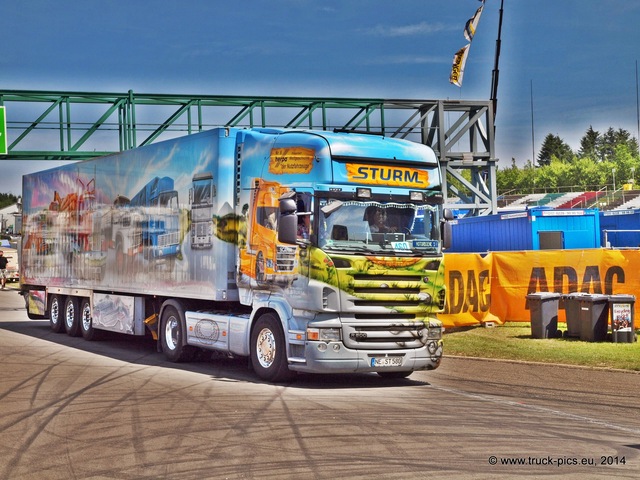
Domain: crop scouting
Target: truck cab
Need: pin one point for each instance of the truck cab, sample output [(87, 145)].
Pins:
[(370, 277)]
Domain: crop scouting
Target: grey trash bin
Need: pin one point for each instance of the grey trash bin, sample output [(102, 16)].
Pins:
[(543, 308), (571, 303), (622, 318), (594, 317)]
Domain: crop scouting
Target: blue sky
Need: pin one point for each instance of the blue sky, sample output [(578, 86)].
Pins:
[(579, 55)]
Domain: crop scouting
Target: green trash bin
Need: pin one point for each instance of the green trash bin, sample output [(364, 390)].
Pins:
[(543, 308), (622, 318), (571, 303), (594, 317)]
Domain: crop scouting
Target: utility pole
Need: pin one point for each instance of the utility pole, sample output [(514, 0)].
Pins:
[(496, 72), (533, 137)]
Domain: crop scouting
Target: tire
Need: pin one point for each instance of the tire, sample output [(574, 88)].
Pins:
[(56, 307), (394, 375), (86, 321), (268, 350), (172, 334), (72, 316)]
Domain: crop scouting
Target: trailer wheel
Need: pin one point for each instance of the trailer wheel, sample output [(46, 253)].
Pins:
[(268, 350), (86, 320), (72, 316), (55, 314), (172, 334)]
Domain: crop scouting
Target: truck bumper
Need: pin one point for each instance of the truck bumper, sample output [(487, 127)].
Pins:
[(333, 357)]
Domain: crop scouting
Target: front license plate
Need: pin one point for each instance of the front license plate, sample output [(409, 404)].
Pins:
[(386, 361)]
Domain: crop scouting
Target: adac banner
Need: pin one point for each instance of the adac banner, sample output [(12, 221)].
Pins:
[(493, 287)]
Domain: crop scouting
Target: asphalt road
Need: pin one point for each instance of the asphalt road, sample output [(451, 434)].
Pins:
[(115, 409)]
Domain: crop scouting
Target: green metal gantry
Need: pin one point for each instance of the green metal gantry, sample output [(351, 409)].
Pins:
[(47, 125)]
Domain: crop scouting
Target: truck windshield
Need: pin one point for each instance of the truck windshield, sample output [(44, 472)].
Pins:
[(379, 227), (202, 193)]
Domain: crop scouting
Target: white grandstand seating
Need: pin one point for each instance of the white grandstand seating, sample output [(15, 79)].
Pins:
[(525, 201), (630, 205)]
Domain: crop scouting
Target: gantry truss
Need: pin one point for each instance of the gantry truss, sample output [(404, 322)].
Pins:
[(46, 125)]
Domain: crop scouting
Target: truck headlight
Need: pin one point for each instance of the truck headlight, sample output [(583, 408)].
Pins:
[(323, 334), (434, 333)]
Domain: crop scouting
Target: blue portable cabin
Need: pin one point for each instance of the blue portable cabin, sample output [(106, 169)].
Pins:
[(539, 228), (620, 228)]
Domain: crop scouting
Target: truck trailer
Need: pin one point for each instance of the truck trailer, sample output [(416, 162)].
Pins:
[(306, 251)]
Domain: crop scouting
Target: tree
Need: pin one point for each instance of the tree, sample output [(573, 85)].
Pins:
[(554, 146), (7, 199), (508, 178), (612, 139), (591, 169), (589, 144), (608, 144)]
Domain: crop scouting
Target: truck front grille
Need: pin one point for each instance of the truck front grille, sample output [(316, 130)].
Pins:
[(396, 335), (286, 260), (168, 239), (389, 310)]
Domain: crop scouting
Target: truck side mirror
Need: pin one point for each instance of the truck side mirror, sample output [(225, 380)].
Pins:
[(446, 230), (288, 221)]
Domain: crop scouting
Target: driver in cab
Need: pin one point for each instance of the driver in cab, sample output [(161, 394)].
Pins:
[(377, 218)]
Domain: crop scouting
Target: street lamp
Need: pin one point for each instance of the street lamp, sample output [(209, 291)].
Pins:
[(613, 172)]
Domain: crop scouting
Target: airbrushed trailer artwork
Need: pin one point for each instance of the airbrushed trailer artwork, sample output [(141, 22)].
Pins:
[(304, 250)]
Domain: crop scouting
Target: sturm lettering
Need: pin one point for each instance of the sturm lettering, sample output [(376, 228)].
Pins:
[(386, 174)]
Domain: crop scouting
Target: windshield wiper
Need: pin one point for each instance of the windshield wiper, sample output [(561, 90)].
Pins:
[(347, 247)]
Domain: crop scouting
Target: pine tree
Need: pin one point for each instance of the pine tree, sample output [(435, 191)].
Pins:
[(554, 146), (589, 144)]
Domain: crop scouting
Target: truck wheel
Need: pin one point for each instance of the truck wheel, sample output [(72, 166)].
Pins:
[(172, 333), (86, 320), (55, 314), (72, 316), (268, 350)]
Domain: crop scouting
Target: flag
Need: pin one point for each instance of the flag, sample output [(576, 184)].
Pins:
[(457, 71), (472, 24)]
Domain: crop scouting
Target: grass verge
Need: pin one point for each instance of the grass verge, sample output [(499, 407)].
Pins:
[(513, 341)]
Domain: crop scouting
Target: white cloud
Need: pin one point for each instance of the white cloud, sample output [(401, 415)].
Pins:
[(421, 28)]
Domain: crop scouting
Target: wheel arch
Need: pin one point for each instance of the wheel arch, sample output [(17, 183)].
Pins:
[(180, 308), (280, 308)]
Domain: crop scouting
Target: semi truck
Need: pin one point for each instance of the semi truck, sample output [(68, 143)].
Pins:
[(297, 274), (201, 209)]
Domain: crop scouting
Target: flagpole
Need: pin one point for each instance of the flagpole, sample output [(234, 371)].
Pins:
[(533, 137), (496, 71)]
